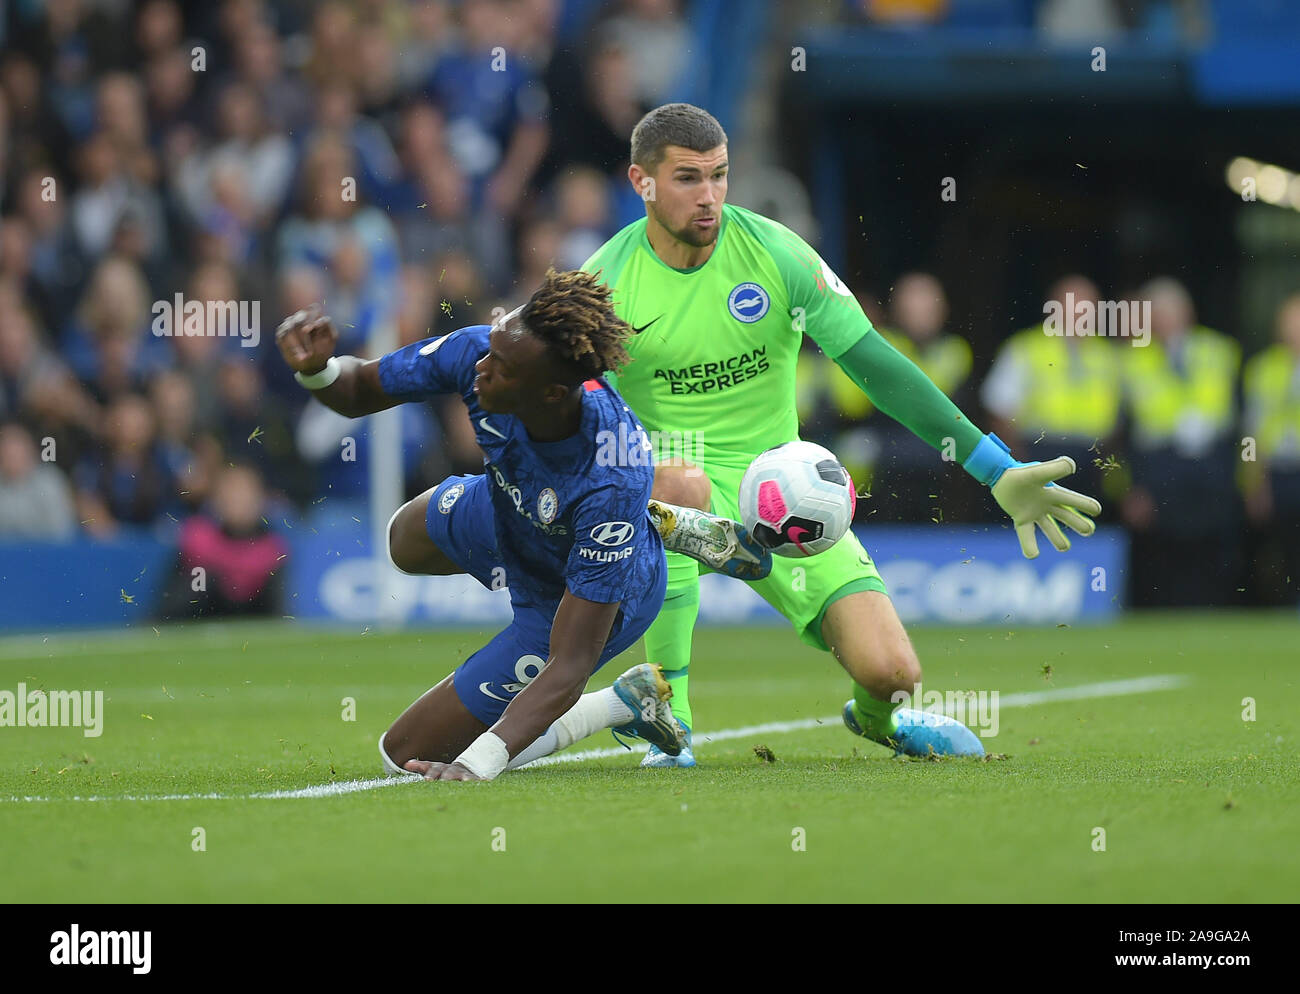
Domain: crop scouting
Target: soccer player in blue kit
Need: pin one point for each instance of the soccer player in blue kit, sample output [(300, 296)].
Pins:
[(568, 531)]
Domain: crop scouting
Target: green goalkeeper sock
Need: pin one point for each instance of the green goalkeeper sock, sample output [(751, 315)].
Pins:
[(679, 681), (668, 639), (876, 718)]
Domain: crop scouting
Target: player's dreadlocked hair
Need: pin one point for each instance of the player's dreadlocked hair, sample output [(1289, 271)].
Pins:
[(572, 313)]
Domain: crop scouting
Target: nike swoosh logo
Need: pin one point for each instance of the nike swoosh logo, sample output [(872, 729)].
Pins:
[(795, 533), (644, 327), (433, 346), (483, 423), (483, 689)]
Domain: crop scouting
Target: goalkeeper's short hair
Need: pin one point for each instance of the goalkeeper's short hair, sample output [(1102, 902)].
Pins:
[(684, 125)]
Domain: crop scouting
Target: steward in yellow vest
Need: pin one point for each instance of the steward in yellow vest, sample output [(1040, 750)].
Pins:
[(900, 469), (1059, 388), (1271, 480), (1180, 397)]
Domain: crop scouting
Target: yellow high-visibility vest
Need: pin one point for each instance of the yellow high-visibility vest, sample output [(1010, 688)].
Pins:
[(1272, 394), (1073, 386), (1162, 401)]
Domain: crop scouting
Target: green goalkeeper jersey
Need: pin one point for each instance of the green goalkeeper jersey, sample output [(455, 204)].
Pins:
[(712, 375)]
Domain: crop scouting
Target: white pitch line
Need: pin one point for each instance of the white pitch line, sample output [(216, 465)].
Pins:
[(1110, 688), (320, 790)]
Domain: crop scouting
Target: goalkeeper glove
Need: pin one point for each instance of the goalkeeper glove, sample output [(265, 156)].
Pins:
[(1027, 493)]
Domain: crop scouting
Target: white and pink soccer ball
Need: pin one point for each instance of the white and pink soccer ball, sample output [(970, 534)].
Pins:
[(797, 499)]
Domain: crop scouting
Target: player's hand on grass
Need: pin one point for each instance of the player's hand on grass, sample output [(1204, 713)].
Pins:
[(440, 771), (307, 340), (1028, 494)]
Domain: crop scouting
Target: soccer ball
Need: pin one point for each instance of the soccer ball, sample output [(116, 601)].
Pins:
[(797, 499)]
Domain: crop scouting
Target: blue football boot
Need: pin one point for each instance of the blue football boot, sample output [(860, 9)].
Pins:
[(646, 693), (659, 759), (923, 733)]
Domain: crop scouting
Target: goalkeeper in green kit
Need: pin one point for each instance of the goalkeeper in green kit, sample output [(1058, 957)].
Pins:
[(723, 297)]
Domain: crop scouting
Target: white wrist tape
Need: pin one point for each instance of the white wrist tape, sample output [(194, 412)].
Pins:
[(319, 381), (486, 756)]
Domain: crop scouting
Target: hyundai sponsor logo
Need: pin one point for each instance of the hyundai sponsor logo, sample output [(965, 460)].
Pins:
[(613, 532)]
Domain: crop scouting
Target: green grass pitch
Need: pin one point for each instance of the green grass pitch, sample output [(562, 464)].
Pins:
[(1196, 803)]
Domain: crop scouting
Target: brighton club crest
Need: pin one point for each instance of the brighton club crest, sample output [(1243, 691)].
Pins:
[(748, 302)]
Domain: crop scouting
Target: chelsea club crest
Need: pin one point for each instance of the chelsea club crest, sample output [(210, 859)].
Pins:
[(547, 505), (449, 497)]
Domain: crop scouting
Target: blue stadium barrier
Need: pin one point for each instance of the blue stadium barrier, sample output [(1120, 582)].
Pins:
[(938, 574), (82, 583), (1255, 18), (968, 67), (1252, 57)]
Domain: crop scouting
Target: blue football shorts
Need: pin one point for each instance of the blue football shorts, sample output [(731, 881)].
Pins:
[(461, 522)]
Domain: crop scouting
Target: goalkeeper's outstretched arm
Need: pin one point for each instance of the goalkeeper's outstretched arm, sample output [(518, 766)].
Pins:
[(900, 388), (1027, 492)]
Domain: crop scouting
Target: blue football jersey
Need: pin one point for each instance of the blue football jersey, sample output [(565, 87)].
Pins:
[(570, 513)]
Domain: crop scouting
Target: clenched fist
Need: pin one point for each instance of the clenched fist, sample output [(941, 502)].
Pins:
[(307, 340)]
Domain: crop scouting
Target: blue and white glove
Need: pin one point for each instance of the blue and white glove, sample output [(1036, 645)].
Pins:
[(1027, 493)]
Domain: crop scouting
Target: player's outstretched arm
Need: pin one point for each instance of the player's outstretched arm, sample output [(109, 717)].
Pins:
[(346, 384), (1026, 491), (578, 637), (900, 388)]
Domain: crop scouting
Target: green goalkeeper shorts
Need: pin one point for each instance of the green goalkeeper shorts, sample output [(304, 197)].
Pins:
[(802, 589)]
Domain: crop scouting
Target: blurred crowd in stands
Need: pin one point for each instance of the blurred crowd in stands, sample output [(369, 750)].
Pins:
[(414, 165), (411, 164)]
